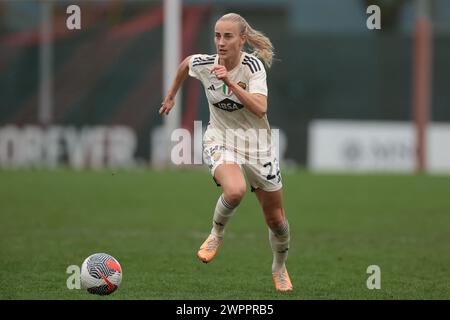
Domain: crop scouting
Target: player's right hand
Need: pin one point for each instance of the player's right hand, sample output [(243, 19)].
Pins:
[(166, 106)]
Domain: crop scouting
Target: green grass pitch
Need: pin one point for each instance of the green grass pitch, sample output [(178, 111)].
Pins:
[(154, 222)]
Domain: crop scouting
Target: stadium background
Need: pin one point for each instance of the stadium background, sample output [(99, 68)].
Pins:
[(110, 73)]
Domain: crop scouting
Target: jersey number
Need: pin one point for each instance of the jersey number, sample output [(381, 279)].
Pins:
[(271, 176)]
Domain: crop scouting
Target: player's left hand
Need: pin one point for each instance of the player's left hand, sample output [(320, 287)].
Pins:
[(221, 73)]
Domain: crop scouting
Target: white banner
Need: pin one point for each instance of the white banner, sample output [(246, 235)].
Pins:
[(438, 148), (89, 147), (375, 146)]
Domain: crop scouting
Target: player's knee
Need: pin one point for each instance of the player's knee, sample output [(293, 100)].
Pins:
[(234, 195)]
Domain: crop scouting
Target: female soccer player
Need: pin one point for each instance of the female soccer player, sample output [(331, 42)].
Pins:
[(236, 89)]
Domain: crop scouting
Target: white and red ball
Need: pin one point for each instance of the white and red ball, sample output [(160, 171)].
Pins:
[(101, 274)]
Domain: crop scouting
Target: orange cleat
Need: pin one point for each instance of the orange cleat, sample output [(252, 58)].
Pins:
[(282, 280), (209, 248)]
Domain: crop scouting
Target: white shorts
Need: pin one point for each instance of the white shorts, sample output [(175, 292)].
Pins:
[(263, 174)]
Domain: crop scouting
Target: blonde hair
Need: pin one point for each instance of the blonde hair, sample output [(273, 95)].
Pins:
[(262, 45)]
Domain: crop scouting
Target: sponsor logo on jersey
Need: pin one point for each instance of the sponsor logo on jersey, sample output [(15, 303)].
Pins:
[(211, 87), (242, 85), (228, 105), (226, 90)]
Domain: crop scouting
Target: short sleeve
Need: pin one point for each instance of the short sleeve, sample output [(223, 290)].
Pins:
[(198, 63), (258, 82), (193, 72)]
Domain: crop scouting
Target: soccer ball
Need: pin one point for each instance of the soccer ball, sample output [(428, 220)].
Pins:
[(101, 274)]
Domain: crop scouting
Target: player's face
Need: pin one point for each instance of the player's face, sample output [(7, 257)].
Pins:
[(228, 40)]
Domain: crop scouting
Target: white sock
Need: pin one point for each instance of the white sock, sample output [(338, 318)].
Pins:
[(223, 212), (279, 241)]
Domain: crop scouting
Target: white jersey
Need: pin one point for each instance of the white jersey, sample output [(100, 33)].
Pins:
[(226, 111)]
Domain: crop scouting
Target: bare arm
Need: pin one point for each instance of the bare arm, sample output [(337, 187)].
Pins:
[(182, 74), (254, 102)]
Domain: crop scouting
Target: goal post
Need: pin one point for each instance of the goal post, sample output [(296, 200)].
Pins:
[(171, 57)]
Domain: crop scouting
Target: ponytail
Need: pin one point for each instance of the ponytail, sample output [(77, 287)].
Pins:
[(261, 44)]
